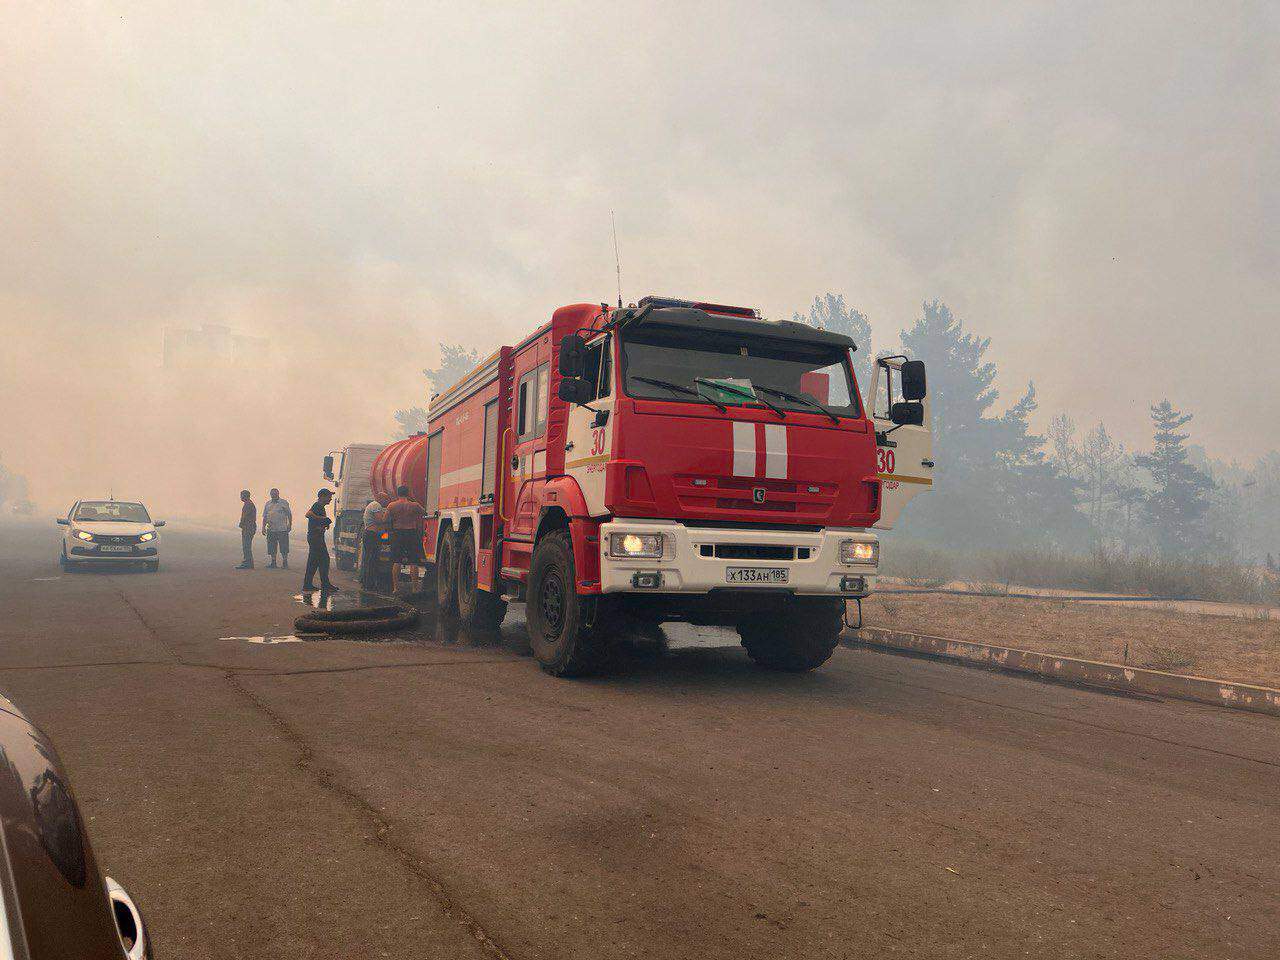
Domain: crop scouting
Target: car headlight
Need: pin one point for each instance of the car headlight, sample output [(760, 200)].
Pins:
[(638, 546), (147, 537), (859, 551), (84, 535)]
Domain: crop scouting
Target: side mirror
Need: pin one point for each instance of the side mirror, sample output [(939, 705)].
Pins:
[(64, 522), (575, 390), (913, 386), (328, 467), (573, 356), (158, 523), (907, 414)]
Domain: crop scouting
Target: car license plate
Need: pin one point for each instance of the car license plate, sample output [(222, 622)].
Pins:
[(756, 575), (107, 548)]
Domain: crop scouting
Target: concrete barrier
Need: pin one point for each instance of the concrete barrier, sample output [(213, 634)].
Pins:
[(1093, 673)]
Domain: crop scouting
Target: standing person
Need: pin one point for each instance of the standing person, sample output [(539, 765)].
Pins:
[(317, 552), (248, 526), (405, 517), (277, 521), (372, 510)]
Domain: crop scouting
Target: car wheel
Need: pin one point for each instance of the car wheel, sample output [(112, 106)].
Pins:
[(153, 565)]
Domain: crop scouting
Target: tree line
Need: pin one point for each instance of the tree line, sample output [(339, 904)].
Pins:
[(999, 484)]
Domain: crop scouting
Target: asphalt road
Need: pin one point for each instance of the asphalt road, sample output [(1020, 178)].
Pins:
[(439, 797)]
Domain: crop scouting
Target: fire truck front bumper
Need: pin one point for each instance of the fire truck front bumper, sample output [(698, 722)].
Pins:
[(644, 556)]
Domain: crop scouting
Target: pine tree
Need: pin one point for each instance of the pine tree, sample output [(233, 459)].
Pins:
[(829, 312), (456, 362), (993, 483), (1180, 499)]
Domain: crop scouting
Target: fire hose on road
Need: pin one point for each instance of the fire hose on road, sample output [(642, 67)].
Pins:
[(355, 620)]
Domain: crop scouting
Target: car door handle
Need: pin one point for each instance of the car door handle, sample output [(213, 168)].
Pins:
[(927, 463)]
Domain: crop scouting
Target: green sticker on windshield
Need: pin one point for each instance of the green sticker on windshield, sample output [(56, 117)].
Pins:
[(726, 390)]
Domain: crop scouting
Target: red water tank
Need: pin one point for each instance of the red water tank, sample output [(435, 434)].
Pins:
[(402, 463)]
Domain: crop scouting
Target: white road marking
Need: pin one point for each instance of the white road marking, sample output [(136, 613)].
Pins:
[(288, 639)]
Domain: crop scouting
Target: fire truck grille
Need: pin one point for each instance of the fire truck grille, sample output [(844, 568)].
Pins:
[(716, 496)]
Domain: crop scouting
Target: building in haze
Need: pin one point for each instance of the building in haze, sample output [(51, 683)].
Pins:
[(212, 345)]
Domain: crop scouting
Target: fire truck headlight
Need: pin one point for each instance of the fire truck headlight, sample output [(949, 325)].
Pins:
[(859, 551), (636, 546)]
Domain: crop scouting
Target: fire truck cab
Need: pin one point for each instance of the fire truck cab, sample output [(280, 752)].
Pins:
[(673, 460)]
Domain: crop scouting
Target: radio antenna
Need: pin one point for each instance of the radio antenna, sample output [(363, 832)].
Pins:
[(617, 260)]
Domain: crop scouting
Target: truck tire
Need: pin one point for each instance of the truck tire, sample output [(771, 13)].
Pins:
[(557, 614), (802, 639), (478, 609), (447, 573)]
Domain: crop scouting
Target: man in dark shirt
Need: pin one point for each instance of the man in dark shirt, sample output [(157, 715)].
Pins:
[(317, 552), (248, 526), (405, 517)]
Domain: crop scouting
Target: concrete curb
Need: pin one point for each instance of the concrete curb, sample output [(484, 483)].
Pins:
[(1112, 676)]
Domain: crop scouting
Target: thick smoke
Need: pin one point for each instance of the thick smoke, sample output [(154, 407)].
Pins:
[(1096, 188)]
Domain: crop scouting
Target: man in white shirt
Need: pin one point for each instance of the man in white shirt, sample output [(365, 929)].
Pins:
[(277, 521)]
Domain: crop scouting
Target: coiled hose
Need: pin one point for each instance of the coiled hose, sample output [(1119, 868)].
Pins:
[(382, 619)]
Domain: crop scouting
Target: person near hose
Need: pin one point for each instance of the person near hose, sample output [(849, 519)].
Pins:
[(405, 519), (317, 550)]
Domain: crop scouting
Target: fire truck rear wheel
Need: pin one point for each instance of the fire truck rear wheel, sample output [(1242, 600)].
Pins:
[(563, 643), (477, 609), (802, 639), (447, 573)]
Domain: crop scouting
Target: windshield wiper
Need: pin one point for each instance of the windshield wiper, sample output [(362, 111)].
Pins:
[(680, 389), (742, 393), (798, 398)]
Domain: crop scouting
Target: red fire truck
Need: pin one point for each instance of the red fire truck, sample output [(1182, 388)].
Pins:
[(672, 460)]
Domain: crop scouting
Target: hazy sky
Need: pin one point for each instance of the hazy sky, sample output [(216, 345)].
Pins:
[(1094, 186)]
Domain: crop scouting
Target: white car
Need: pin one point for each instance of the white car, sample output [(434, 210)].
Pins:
[(109, 532)]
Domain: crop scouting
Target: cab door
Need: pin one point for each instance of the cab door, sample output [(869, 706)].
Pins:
[(526, 456), (589, 435), (904, 449)]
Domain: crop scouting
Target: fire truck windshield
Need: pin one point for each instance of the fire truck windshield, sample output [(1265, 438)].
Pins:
[(728, 371)]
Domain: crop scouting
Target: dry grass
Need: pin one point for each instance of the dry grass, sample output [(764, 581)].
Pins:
[(1102, 571), (1245, 649)]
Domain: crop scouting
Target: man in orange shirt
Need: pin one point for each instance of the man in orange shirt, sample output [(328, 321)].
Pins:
[(405, 517)]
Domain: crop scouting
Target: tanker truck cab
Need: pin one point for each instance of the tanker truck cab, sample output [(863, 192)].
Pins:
[(721, 468), (671, 461)]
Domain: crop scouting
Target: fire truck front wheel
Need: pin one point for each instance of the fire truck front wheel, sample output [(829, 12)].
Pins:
[(477, 609), (802, 639), (558, 616)]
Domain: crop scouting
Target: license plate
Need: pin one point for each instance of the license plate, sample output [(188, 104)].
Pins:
[(106, 548), (756, 574)]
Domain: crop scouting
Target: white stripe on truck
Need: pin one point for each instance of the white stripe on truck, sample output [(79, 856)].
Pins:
[(744, 449), (461, 475), (775, 451)]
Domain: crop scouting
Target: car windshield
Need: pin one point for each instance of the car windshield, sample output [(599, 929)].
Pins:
[(683, 364), (104, 511)]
